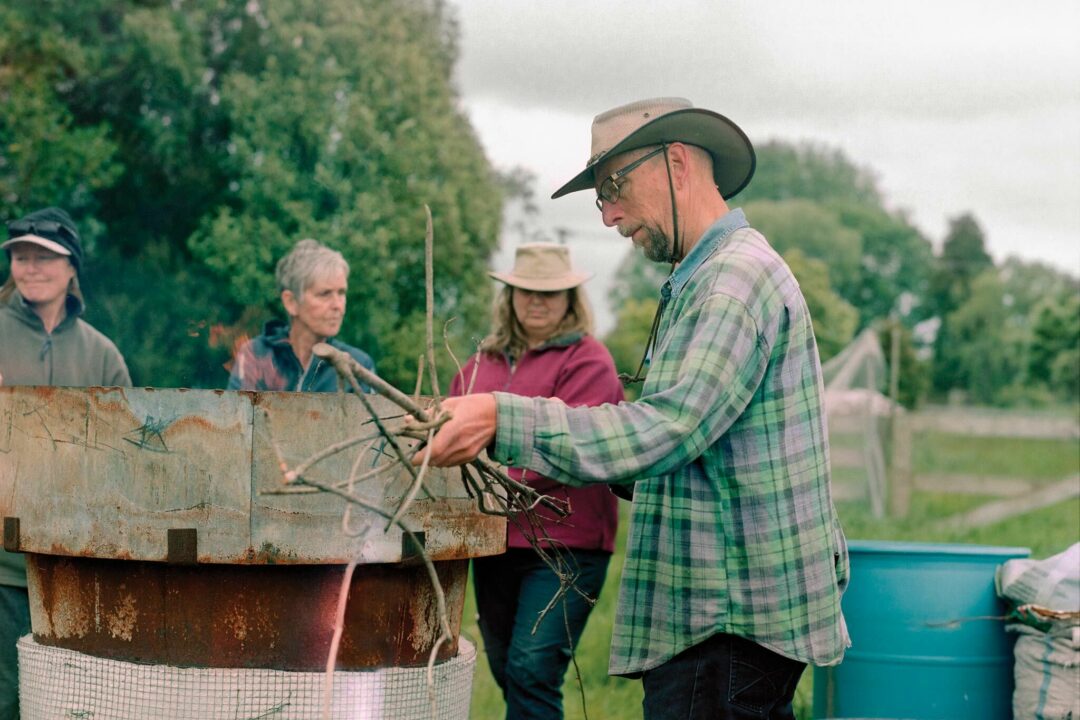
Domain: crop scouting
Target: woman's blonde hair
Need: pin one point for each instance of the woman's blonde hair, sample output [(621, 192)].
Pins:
[(507, 335)]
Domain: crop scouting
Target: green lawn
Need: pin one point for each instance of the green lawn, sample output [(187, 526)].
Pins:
[(1046, 532)]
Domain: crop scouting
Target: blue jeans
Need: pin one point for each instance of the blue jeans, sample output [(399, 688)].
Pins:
[(14, 623), (511, 591), (723, 678)]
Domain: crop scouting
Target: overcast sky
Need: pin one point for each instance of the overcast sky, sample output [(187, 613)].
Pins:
[(955, 105)]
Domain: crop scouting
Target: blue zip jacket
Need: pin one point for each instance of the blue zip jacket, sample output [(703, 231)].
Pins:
[(267, 362)]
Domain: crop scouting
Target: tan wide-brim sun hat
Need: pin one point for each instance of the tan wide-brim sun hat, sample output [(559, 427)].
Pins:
[(659, 120), (544, 267)]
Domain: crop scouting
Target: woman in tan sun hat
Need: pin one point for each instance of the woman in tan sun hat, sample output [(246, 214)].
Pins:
[(541, 346)]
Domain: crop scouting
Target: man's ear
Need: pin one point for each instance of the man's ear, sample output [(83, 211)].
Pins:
[(292, 305), (679, 161)]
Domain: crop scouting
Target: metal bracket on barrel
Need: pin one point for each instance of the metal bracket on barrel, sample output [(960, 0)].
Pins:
[(183, 546), (11, 534)]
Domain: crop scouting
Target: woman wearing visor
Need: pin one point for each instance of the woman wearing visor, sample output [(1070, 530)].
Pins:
[(43, 341)]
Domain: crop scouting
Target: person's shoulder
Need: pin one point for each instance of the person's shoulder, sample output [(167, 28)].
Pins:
[(591, 345), (745, 264), (589, 350), (93, 336), (745, 247)]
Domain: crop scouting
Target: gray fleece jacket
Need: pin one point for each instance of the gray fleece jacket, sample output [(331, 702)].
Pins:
[(74, 354)]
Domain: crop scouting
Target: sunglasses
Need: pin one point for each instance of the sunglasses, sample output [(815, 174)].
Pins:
[(17, 228), (609, 189)]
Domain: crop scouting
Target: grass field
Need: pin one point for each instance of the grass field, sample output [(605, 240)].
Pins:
[(1046, 532)]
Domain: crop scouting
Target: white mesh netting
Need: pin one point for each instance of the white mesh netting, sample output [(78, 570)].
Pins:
[(60, 683), (857, 414)]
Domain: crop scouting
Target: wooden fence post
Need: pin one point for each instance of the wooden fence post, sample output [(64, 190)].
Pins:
[(900, 464)]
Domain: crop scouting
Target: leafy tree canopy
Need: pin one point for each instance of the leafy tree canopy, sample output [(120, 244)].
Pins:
[(816, 231), (807, 171), (978, 352), (963, 257), (878, 261), (197, 141)]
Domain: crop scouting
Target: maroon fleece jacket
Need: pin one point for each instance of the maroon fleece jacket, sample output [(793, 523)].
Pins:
[(578, 370)]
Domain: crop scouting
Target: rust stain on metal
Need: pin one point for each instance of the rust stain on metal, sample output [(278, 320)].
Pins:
[(123, 618), (108, 405), (45, 392), (279, 616), (200, 423)]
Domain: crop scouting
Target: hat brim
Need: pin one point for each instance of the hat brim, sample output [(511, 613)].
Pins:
[(37, 240), (563, 282), (733, 155)]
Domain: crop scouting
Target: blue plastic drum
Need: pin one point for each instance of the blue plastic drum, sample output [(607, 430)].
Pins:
[(927, 638)]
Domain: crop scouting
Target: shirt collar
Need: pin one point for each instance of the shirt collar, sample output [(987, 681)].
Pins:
[(717, 233)]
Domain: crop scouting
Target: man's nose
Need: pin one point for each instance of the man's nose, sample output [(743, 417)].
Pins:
[(611, 213)]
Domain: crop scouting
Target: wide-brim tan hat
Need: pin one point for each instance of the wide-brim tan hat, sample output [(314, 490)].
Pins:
[(544, 267), (659, 120)]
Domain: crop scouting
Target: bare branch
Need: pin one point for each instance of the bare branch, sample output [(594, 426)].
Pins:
[(347, 367)]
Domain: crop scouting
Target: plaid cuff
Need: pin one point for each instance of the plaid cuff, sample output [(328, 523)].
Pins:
[(514, 429)]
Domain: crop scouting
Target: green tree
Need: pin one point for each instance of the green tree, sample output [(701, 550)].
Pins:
[(810, 172), (894, 267), (47, 157), (215, 135), (984, 354), (963, 258), (1054, 356), (816, 231), (821, 201)]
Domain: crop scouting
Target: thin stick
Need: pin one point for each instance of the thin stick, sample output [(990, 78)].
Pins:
[(446, 344), (429, 286), (346, 365), (475, 370), (335, 642), (419, 481), (327, 452), (419, 379)]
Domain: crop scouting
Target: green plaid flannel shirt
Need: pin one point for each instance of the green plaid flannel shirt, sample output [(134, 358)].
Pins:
[(733, 527)]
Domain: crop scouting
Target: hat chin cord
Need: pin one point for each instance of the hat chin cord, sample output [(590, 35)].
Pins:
[(676, 242), (676, 252)]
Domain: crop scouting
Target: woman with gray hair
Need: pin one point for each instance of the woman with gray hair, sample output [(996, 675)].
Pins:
[(311, 280)]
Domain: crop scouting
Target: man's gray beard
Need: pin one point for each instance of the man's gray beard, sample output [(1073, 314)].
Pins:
[(656, 248)]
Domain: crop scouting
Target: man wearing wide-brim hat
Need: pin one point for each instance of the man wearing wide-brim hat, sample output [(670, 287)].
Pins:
[(735, 560)]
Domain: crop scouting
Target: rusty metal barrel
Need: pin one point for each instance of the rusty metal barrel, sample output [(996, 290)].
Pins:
[(158, 529)]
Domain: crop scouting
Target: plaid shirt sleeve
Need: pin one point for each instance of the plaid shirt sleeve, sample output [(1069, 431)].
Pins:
[(713, 356), (733, 527)]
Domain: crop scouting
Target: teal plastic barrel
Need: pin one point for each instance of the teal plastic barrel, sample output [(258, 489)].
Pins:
[(927, 641)]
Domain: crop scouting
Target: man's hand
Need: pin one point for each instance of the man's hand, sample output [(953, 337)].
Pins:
[(465, 435)]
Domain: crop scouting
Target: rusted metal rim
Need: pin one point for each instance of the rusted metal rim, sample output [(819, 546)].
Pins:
[(241, 616)]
